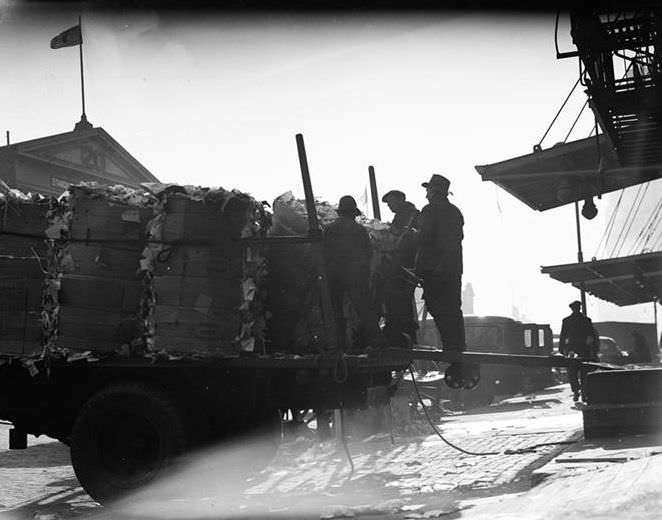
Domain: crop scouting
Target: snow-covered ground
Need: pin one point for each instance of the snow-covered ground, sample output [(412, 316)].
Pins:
[(415, 475)]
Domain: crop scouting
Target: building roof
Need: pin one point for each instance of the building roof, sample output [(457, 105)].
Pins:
[(626, 280), (88, 150), (565, 173)]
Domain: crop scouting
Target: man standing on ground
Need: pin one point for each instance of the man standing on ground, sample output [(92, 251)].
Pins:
[(347, 253), (400, 313), (439, 262), (578, 340)]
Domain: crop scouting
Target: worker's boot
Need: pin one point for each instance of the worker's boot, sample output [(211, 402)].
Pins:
[(453, 376), (470, 376)]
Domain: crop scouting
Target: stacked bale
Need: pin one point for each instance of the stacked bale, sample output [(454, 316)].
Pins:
[(99, 298), (23, 253), (204, 295), (295, 324)]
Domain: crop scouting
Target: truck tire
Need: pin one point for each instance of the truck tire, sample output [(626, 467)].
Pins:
[(123, 438)]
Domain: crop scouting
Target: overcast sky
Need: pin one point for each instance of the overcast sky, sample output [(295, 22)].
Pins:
[(217, 98)]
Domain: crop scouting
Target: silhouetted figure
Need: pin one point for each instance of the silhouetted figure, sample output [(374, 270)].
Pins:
[(639, 353), (439, 262), (400, 314), (578, 340), (347, 254)]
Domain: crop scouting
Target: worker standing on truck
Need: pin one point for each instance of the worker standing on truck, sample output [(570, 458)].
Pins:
[(578, 340), (400, 314), (439, 262), (347, 252)]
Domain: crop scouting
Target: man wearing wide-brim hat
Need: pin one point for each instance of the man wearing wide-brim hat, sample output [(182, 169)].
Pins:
[(347, 252), (578, 339), (439, 262)]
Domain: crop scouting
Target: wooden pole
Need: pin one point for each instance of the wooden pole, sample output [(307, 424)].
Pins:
[(376, 213), (580, 256), (82, 79), (313, 224), (317, 250)]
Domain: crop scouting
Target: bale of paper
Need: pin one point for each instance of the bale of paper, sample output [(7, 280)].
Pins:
[(295, 324), (23, 255), (204, 281)]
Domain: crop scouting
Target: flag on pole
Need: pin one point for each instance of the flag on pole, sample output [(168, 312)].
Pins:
[(363, 200), (68, 38)]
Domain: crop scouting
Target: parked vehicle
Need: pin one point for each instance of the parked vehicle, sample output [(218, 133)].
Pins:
[(498, 334), (610, 352), (132, 328)]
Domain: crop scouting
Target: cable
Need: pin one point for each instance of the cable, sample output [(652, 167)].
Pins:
[(517, 451), (649, 228), (653, 227), (427, 415), (610, 225), (343, 438), (576, 119), (634, 216), (557, 114), (627, 218)]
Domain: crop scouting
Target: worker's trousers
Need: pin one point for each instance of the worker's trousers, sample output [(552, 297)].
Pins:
[(442, 292), (352, 281), (400, 315)]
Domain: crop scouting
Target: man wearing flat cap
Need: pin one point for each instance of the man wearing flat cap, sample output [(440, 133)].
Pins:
[(347, 252), (399, 311), (578, 340), (439, 262)]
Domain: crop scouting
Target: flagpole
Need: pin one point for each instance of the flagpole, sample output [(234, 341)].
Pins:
[(82, 79)]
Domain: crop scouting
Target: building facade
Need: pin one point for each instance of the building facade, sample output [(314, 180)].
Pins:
[(48, 165)]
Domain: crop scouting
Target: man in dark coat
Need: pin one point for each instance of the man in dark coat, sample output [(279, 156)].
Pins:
[(578, 340), (347, 253), (400, 314), (439, 262)]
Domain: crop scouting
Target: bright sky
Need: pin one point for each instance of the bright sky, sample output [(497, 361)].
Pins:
[(216, 99)]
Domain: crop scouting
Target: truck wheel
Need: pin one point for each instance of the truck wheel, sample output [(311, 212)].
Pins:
[(123, 437)]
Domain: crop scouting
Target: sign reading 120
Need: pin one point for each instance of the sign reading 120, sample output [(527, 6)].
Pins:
[(93, 158)]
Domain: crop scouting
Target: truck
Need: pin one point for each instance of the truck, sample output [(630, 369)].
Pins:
[(134, 327), (501, 335)]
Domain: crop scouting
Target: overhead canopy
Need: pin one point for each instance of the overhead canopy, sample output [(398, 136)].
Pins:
[(565, 173), (624, 281)]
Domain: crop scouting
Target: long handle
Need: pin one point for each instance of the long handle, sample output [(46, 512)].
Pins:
[(313, 224), (317, 248), (376, 213)]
